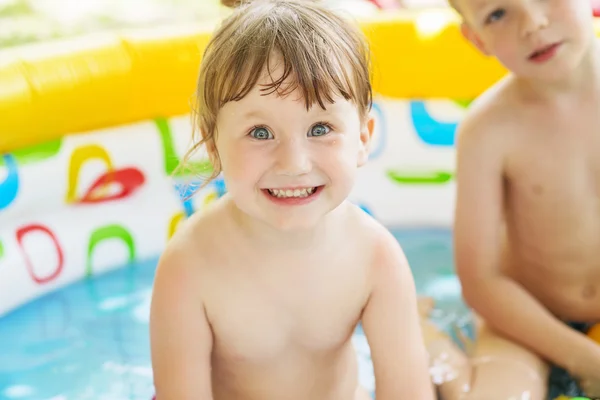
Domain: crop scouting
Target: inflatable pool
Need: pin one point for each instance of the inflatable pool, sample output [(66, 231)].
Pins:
[(90, 134)]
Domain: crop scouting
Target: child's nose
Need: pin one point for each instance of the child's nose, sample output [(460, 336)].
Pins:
[(534, 19), (293, 158)]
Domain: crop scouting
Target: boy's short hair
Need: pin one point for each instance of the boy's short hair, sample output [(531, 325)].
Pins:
[(323, 56)]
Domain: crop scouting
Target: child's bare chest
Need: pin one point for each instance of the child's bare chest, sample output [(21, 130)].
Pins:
[(312, 309), (553, 199), (555, 162)]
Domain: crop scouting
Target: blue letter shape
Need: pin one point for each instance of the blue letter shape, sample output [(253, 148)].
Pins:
[(10, 187), (429, 130)]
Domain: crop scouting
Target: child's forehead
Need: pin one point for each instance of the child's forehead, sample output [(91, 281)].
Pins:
[(476, 5), (277, 83)]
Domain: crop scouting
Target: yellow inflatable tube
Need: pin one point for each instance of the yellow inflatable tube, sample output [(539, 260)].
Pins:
[(95, 83), (52, 89)]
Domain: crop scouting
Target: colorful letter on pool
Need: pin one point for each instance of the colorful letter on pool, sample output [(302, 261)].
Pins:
[(127, 179), (21, 233), (9, 188), (171, 159), (429, 130), (174, 224), (105, 233), (36, 153), (79, 157), (425, 177)]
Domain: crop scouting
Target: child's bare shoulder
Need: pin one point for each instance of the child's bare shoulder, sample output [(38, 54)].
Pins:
[(195, 244), (491, 121), (364, 226), (384, 249)]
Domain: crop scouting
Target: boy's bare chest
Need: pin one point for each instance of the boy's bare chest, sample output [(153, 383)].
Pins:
[(553, 205), (556, 163)]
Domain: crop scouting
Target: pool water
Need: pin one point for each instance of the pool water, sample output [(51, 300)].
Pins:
[(90, 339)]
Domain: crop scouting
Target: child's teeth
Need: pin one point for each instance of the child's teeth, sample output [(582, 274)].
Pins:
[(280, 193)]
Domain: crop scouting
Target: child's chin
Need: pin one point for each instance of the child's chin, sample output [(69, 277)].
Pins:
[(295, 223)]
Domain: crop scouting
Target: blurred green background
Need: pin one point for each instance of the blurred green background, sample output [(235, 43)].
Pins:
[(27, 21)]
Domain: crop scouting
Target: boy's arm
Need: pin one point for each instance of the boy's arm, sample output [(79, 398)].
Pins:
[(180, 335), (392, 327), (502, 302)]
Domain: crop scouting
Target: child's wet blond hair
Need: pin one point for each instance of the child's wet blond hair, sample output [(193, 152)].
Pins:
[(323, 56)]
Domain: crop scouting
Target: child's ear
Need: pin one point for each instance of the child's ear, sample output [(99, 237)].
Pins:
[(473, 38), (366, 135)]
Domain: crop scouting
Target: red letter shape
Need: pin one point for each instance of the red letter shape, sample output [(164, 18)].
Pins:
[(21, 234), (128, 179)]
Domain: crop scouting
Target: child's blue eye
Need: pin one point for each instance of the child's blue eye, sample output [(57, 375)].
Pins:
[(261, 134), (319, 130), (495, 16)]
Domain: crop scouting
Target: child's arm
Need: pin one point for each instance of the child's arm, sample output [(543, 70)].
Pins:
[(392, 326), (180, 335), (501, 301)]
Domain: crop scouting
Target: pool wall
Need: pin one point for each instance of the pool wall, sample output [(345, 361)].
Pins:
[(91, 131)]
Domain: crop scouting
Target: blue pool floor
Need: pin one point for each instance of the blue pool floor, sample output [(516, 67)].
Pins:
[(90, 339)]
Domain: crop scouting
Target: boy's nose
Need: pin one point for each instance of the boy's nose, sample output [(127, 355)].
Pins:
[(292, 158), (534, 19)]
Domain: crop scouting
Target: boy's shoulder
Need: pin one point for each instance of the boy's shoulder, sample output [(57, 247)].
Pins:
[(494, 106), (492, 118)]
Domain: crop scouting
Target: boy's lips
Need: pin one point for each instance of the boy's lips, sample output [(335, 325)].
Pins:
[(544, 53)]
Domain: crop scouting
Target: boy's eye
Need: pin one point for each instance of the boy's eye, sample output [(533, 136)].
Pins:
[(261, 134), (319, 130), (495, 16)]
